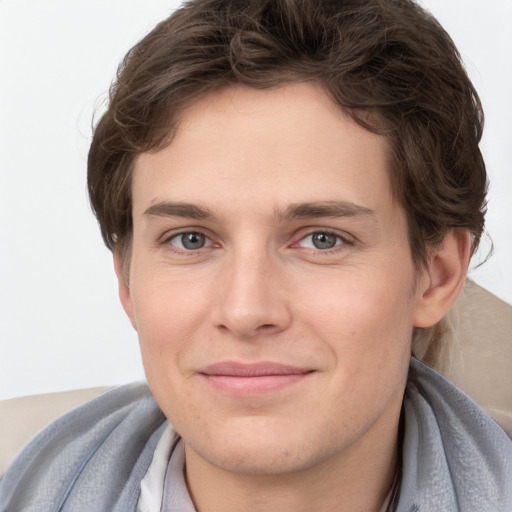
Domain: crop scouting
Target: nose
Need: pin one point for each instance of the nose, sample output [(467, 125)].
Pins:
[(251, 296)]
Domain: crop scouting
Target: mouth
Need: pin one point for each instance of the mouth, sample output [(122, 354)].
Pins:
[(252, 379)]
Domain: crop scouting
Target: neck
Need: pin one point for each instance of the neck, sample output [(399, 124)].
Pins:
[(356, 480)]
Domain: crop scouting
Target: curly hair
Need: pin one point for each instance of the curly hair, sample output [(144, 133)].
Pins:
[(387, 63)]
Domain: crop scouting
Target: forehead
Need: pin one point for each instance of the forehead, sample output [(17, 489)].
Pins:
[(282, 145)]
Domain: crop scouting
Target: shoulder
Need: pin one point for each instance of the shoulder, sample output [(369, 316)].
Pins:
[(100, 449), (455, 456)]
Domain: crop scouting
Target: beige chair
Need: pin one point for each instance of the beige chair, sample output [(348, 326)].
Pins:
[(472, 346), (21, 418)]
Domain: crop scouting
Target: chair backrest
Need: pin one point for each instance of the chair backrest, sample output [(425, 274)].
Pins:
[(472, 346), (21, 418)]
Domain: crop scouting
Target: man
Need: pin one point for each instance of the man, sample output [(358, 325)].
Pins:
[(292, 191)]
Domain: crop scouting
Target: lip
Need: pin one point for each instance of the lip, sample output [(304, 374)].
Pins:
[(252, 379)]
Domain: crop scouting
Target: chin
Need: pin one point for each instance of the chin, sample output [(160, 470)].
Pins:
[(258, 459), (261, 448)]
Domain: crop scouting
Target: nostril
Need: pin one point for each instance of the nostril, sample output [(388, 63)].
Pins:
[(266, 327)]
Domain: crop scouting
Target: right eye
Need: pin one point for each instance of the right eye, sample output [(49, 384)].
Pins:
[(189, 241)]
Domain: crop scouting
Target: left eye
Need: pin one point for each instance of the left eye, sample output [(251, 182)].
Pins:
[(190, 241), (321, 240)]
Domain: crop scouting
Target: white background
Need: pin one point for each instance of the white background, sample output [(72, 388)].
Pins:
[(61, 326)]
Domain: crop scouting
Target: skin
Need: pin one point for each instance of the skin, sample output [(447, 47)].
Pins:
[(257, 173)]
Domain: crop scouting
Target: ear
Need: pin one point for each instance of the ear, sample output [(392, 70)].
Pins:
[(444, 277), (123, 285)]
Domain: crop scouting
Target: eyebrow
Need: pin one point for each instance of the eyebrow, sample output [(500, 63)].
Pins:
[(171, 209), (316, 209), (332, 209)]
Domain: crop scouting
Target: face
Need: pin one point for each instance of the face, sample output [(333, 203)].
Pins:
[(271, 281)]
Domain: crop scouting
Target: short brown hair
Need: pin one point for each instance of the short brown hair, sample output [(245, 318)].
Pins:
[(388, 63)]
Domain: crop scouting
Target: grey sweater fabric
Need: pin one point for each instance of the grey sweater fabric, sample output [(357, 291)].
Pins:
[(455, 457)]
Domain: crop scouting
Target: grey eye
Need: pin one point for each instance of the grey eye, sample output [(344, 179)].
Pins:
[(324, 240), (192, 241)]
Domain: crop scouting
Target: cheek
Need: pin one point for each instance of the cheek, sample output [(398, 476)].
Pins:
[(365, 317), (168, 318), (168, 315), (359, 303)]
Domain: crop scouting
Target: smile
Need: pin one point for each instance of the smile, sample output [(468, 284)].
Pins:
[(252, 379)]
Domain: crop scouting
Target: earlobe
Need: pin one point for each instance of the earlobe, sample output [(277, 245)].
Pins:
[(444, 278), (123, 286)]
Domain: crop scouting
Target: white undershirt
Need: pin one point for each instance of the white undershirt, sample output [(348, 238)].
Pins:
[(166, 471)]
